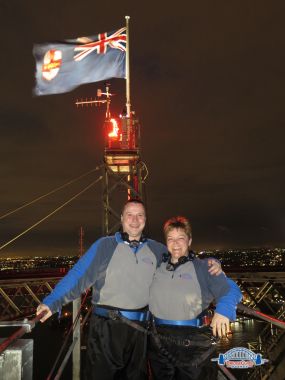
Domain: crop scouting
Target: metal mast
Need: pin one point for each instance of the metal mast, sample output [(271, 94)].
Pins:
[(123, 170)]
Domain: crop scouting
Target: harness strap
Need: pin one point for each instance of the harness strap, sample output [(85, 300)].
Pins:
[(114, 314), (176, 362), (197, 322), (141, 316)]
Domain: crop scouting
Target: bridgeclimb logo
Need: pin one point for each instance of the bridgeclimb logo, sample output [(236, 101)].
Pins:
[(240, 357)]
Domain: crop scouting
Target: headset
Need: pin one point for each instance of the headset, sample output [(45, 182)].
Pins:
[(166, 258), (132, 243)]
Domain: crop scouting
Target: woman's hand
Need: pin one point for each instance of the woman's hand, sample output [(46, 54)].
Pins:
[(215, 267), (220, 325)]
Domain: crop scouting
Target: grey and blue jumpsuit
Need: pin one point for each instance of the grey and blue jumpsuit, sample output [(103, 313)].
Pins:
[(179, 297), (120, 277)]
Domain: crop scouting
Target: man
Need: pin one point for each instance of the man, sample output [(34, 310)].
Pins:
[(120, 269)]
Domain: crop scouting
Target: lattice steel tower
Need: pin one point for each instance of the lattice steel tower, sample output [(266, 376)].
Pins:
[(123, 170)]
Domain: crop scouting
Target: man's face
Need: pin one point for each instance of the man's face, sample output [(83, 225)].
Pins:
[(178, 243), (133, 220)]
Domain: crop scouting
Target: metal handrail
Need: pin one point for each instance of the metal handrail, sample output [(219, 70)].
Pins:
[(258, 314), (76, 320), (227, 373), (27, 327), (65, 360)]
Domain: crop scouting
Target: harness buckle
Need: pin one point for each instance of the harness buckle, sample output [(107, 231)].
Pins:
[(114, 315), (186, 342)]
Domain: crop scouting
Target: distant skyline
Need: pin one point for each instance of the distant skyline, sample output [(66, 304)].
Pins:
[(207, 83), (259, 257)]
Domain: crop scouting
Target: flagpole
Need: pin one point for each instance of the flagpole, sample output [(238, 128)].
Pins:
[(128, 87)]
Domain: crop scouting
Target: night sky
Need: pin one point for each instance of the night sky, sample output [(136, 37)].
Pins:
[(207, 83)]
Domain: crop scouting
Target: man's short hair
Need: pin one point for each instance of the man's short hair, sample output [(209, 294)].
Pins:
[(177, 222), (133, 200)]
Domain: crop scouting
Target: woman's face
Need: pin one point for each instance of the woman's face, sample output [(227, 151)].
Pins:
[(178, 244)]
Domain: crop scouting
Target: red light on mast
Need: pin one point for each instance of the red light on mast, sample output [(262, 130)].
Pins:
[(115, 132)]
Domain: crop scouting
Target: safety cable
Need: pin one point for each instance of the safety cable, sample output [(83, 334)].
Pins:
[(146, 170), (50, 214), (65, 360), (116, 315), (50, 192), (187, 343), (66, 340)]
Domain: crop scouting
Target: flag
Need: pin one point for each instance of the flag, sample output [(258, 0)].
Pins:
[(62, 66)]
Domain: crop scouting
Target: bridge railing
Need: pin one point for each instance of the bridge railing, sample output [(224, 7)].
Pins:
[(60, 363), (28, 292), (20, 297)]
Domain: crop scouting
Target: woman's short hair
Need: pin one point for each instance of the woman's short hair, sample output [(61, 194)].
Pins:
[(177, 222)]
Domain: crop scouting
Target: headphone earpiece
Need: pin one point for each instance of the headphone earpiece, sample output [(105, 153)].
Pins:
[(182, 260), (143, 239), (125, 237), (165, 257)]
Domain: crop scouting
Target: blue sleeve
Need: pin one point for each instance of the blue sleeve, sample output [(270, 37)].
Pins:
[(227, 304), (77, 280)]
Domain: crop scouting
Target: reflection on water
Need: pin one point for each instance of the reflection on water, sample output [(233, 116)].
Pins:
[(245, 334)]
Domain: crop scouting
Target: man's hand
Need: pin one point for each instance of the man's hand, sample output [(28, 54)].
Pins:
[(215, 267), (44, 308), (220, 325)]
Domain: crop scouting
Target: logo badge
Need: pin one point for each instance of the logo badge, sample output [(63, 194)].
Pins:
[(240, 357), (52, 63)]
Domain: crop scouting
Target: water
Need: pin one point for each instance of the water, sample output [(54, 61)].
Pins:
[(244, 332)]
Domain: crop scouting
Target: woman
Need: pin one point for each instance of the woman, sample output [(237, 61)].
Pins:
[(180, 295)]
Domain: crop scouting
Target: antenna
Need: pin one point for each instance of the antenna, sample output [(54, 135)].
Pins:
[(81, 244), (97, 101)]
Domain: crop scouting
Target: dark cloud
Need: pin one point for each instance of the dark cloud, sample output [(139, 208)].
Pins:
[(207, 82)]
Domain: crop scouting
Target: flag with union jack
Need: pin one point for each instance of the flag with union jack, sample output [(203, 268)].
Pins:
[(62, 66)]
